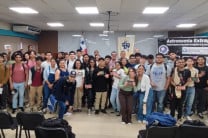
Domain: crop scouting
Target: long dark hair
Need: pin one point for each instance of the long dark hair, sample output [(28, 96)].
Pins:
[(78, 60), (93, 61), (135, 77)]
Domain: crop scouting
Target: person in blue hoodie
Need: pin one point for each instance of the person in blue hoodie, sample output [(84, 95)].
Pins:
[(63, 91)]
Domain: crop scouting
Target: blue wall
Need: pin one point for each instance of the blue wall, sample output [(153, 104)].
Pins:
[(16, 34)]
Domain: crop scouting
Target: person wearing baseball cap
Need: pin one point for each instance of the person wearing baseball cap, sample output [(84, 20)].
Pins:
[(63, 91)]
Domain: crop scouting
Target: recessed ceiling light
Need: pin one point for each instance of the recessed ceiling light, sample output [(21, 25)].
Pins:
[(87, 10), (77, 35), (140, 25), (97, 24), (187, 25), (158, 36), (55, 24), (103, 35), (105, 39), (108, 32), (23, 10), (155, 10)]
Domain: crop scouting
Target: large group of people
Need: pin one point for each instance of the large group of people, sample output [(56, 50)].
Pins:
[(136, 84)]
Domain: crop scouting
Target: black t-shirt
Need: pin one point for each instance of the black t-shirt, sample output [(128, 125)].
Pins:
[(203, 80), (100, 82), (184, 75)]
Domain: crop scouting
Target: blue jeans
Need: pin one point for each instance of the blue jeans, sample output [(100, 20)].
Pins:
[(114, 99), (190, 94), (62, 108), (46, 94), (149, 104), (135, 101), (150, 101), (20, 87), (159, 98), (140, 114)]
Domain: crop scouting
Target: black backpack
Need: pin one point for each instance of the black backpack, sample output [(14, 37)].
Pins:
[(58, 123)]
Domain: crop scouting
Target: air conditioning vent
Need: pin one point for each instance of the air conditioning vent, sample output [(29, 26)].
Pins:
[(26, 29)]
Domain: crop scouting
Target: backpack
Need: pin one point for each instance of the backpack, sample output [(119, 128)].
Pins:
[(165, 65), (13, 65), (194, 123), (58, 123)]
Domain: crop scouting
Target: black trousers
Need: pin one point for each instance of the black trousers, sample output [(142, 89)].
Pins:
[(199, 100), (177, 104), (3, 97)]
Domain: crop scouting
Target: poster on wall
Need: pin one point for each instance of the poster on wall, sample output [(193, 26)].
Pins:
[(184, 46), (126, 44)]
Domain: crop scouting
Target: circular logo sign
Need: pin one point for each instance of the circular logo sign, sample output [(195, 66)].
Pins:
[(163, 49)]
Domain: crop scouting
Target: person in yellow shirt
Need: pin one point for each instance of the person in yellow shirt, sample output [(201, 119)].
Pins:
[(4, 77)]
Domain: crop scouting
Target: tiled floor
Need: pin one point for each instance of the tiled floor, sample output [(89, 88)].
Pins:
[(97, 126)]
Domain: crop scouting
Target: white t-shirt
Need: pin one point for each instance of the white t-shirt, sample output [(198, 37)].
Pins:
[(121, 73), (80, 74), (70, 65)]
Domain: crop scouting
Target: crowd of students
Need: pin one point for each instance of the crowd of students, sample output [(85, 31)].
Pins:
[(135, 84)]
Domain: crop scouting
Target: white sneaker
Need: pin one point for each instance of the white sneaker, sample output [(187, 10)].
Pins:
[(144, 122), (89, 111), (139, 121), (68, 114), (123, 123), (129, 123), (188, 118)]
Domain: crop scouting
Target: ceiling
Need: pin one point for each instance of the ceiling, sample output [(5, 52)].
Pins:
[(130, 12)]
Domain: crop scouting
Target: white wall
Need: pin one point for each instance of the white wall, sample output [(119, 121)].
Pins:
[(5, 26), (143, 40)]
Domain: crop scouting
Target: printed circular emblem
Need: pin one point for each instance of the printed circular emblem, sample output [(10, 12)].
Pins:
[(163, 49)]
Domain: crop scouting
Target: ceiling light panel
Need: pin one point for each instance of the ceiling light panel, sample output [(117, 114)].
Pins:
[(23, 10), (187, 25), (155, 10), (140, 25), (97, 24), (87, 10), (55, 24)]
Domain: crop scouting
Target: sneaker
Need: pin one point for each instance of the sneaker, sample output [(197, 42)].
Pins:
[(144, 122), (139, 121), (13, 111), (104, 111), (205, 112), (118, 114), (89, 111), (44, 110), (22, 109), (188, 118), (96, 112), (123, 123), (201, 115), (129, 123), (68, 114)]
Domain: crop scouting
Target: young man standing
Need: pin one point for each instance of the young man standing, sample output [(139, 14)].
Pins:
[(160, 78), (4, 77), (18, 81), (100, 78), (36, 84), (200, 96)]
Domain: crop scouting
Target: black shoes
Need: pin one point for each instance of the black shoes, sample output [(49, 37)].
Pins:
[(104, 111), (96, 112), (13, 110), (22, 109)]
